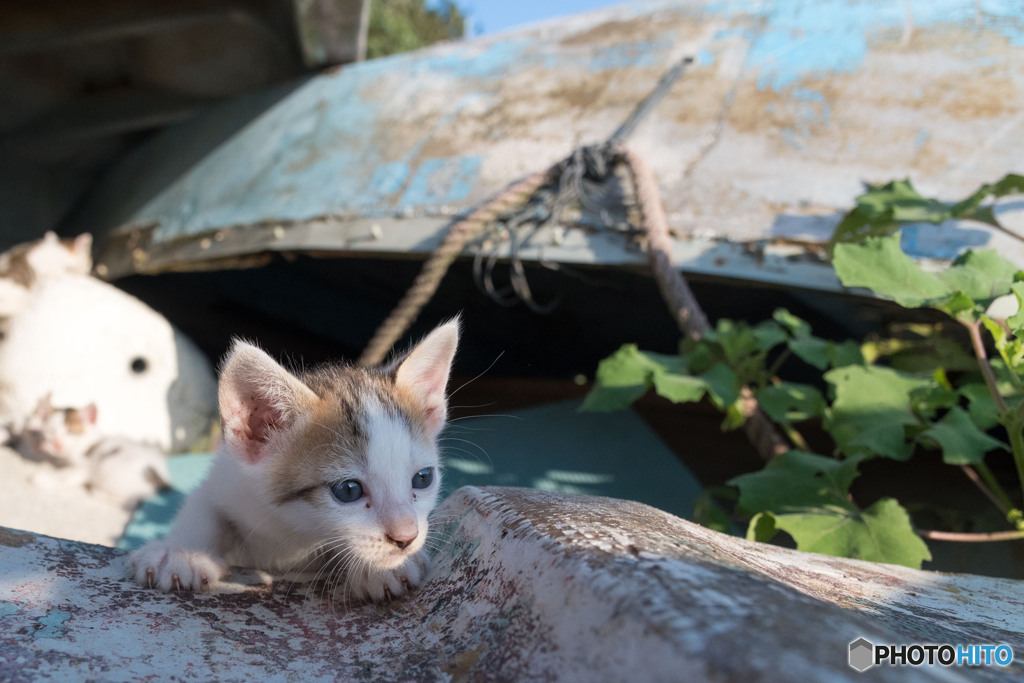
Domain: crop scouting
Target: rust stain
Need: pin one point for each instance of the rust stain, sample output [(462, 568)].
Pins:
[(980, 97), (14, 539), (621, 31)]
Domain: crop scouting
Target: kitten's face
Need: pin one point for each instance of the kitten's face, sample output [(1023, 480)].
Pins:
[(346, 456), (63, 433), (360, 474)]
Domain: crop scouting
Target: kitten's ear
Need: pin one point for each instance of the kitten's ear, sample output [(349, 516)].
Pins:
[(90, 413), (257, 397), (82, 246), (424, 373)]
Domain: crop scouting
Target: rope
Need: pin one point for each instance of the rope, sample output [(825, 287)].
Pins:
[(434, 269), (594, 162), (569, 172), (682, 304)]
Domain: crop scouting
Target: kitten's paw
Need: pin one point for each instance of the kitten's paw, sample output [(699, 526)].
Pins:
[(380, 585), (160, 566)]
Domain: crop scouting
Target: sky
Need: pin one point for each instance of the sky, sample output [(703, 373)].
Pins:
[(491, 16)]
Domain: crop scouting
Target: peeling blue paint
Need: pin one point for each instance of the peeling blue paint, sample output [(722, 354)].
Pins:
[(925, 240), (390, 178), (794, 40), (8, 608), (52, 624)]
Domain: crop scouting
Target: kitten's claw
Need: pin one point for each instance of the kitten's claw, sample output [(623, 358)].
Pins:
[(379, 586), (168, 569)]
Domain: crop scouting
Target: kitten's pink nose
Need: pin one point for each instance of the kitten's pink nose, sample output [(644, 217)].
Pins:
[(402, 535), (402, 543)]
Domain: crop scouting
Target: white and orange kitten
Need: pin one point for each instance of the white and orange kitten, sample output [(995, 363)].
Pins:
[(117, 469), (334, 471)]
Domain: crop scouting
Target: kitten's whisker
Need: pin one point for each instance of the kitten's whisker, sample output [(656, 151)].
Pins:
[(478, 376), (482, 405), (471, 417)]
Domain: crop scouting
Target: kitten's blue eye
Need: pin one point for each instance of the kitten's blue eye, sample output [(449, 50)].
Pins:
[(423, 478), (348, 491)]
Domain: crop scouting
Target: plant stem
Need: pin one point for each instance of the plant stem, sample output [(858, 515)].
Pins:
[(783, 357), (971, 538), (1012, 422), (990, 487), (986, 370), (793, 435), (1016, 432)]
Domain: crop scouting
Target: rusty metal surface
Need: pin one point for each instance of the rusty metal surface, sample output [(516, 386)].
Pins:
[(758, 149), (526, 585)]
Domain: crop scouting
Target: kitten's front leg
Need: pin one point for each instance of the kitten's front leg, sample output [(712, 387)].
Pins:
[(187, 559), (378, 585)]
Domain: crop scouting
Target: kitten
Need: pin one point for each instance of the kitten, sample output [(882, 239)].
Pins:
[(24, 265), (60, 436), (333, 470), (120, 470)]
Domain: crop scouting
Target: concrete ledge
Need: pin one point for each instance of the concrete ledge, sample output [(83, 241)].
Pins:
[(525, 585)]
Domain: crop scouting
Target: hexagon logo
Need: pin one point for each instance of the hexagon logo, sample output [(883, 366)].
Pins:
[(862, 654)]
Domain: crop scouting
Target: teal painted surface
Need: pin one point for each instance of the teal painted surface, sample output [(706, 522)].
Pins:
[(153, 518), (788, 108), (791, 40), (552, 448), (557, 448), (52, 624)]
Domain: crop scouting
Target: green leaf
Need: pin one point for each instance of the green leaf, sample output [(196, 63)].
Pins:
[(625, 376), (796, 479), (845, 353), (882, 533), (810, 350), (928, 400), (796, 326), (880, 265), (1016, 321), (679, 388), (962, 290), (762, 528), (871, 409), (733, 417), (980, 275), (768, 335), (722, 383), (807, 496), (881, 210), (981, 406), (790, 402), (962, 443), (971, 207)]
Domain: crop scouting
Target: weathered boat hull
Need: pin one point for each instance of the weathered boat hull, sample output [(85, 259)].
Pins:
[(759, 149), (526, 585)]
